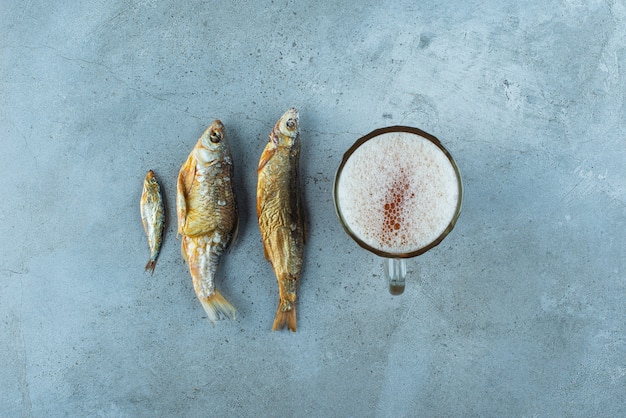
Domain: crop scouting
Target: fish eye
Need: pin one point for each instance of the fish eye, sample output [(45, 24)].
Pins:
[(291, 123), (216, 137)]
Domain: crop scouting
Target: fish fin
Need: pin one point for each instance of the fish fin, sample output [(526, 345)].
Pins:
[(183, 250), (185, 180), (181, 204), (233, 237), (217, 304), (150, 266), (267, 155), (265, 253), (285, 317), (258, 205)]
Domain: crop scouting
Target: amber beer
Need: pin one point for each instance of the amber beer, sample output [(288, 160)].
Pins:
[(398, 193)]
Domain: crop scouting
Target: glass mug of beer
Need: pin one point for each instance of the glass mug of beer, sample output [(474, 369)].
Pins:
[(398, 194)]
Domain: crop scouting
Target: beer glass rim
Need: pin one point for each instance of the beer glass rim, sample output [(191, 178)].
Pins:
[(397, 129)]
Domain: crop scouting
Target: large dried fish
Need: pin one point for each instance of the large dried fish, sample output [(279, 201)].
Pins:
[(279, 212), (207, 215)]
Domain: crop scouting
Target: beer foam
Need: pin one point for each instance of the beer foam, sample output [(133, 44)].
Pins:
[(398, 192)]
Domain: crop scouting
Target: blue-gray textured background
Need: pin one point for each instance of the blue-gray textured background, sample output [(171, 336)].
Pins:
[(519, 312)]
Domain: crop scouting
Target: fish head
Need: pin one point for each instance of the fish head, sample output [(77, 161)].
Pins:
[(150, 181), (213, 142), (288, 126)]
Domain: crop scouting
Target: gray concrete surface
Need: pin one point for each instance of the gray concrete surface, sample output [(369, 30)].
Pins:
[(519, 312)]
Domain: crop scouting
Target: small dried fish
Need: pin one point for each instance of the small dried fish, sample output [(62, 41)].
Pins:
[(152, 217)]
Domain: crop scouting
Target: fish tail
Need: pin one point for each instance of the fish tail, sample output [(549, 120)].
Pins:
[(150, 266), (216, 304), (285, 316)]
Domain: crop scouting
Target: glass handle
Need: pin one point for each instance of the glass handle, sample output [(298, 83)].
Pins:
[(395, 270)]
